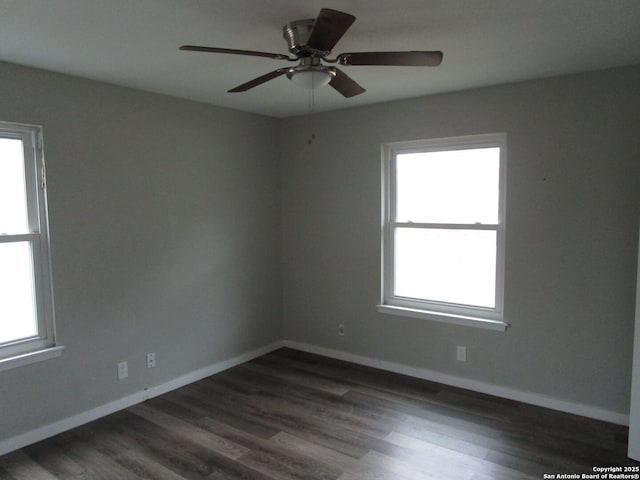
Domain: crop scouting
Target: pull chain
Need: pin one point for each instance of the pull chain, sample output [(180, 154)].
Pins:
[(311, 104)]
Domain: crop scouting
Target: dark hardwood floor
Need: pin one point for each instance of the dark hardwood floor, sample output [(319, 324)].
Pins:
[(293, 415)]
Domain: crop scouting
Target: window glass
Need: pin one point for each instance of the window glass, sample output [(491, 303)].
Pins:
[(453, 186), (451, 266), (13, 198), (17, 300)]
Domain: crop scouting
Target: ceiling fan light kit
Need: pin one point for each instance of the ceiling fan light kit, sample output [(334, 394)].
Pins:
[(310, 42), (311, 78)]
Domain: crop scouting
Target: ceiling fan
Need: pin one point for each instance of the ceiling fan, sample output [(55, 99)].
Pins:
[(310, 42)]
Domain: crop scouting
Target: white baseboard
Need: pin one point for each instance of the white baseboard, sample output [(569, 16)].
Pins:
[(590, 411), (51, 429)]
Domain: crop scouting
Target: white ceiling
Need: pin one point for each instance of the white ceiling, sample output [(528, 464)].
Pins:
[(485, 42)]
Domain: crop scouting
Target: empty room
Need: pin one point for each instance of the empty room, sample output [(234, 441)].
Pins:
[(302, 240)]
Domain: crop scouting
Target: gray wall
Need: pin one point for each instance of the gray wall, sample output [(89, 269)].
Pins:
[(165, 237), (573, 173), (166, 225)]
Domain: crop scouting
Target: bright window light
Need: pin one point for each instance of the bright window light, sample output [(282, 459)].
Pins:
[(456, 186), (452, 266), (13, 198), (17, 298)]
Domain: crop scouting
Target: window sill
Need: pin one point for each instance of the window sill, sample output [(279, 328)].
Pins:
[(444, 317), (29, 358)]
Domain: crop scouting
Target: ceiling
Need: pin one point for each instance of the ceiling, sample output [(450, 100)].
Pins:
[(135, 43)]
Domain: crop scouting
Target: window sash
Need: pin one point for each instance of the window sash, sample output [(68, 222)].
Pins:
[(390, 225), (44, 330), (390, 297), (434, 185), (447, 226), (29, 137)]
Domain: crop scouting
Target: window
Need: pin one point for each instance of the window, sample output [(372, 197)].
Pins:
[(443, 232), (26, 296)]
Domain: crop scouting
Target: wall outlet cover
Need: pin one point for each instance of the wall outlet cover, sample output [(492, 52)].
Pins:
[(123, 370), (461, 353)]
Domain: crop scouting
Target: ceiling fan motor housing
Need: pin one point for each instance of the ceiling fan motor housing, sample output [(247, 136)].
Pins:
[(297, 35)]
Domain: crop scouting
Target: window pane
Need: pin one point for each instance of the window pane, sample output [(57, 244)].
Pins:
[(453, 186), (13, 198), (451, 266), (17, 302)]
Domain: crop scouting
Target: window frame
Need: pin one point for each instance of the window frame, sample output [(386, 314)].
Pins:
[(485, 317), (43, 345)]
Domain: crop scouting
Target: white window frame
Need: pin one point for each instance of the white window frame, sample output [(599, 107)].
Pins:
[(43, 346), (490, 318)]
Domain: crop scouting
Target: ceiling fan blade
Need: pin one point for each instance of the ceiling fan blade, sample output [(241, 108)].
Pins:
[(345, 85), (402, 59), (251, 53), (328, 28), (258, 81)]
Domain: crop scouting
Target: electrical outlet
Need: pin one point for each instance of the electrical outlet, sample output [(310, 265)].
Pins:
[(151, 360), (123, 370), (341, 330), (461, 353)]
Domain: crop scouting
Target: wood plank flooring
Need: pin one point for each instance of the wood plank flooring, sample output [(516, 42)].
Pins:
[(290, 415)]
